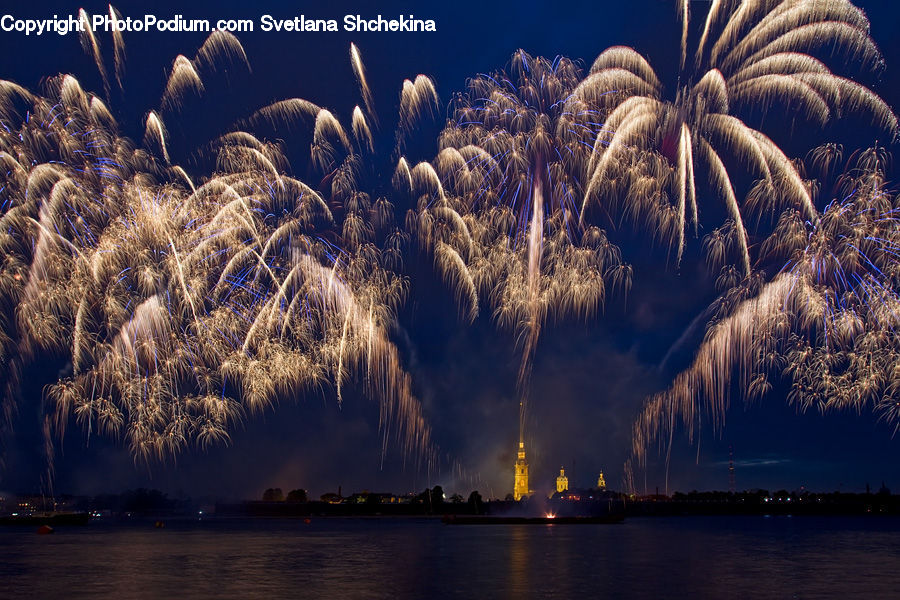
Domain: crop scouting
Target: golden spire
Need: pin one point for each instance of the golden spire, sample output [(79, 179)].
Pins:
[(520, 486), (562, 482)]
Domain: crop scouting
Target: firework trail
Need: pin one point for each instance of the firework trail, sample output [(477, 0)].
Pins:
[(825, 324), (187, 302), (750, 55), (499, 204)]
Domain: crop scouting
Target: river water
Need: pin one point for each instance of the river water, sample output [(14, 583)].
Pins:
[(687, 557)]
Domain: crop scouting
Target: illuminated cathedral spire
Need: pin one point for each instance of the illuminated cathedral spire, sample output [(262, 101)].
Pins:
[(562, 482), (520, 488), (520, 485)]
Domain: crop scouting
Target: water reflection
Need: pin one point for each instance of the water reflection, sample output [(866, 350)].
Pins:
[(519, 562), (398, 558)]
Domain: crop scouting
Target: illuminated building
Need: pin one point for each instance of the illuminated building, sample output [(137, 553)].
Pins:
[(520, 487), (601, 483), (562, 482)]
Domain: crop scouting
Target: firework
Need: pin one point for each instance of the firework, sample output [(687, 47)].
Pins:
[(825, 323), (186, 303), (499, 205), (750, 54)]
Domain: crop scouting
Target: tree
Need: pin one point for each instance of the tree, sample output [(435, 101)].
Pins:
[(476, 502), (437, 495), (456, 499), (300, 496), (432, 498), (273, 495)]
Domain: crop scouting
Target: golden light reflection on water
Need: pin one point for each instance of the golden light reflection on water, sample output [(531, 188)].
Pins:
[(519, 561), (421, 558)]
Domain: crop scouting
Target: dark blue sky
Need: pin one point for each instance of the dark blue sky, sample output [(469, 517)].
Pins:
[(589, 380)]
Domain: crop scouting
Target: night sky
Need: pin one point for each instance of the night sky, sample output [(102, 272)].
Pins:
[(589, 378)]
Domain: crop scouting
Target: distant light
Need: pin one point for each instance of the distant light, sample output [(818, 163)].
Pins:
[(550, 516)]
